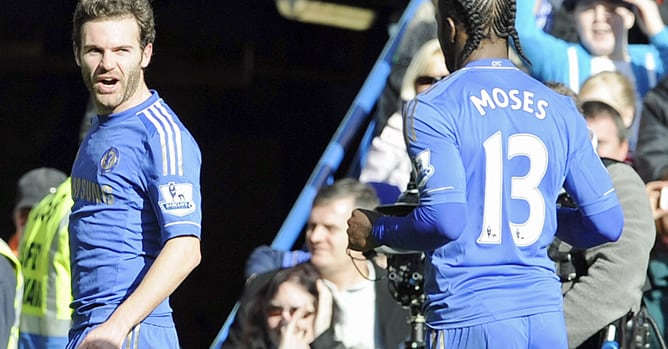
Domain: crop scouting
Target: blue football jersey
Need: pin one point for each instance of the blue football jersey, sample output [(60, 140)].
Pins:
[(135, 185), (502, 144)]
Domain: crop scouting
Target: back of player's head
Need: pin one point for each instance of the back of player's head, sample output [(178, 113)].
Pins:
[(483, 19), (88, 10), (364, 194)]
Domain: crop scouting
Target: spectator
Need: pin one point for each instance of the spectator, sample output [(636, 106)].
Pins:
[(387, 160), (420, 29), (609, 129), (603, 28), (616, 90), (292, 309), (651, 156), (369, 316)]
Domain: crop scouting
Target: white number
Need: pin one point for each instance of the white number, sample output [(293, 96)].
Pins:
[(522, 188)]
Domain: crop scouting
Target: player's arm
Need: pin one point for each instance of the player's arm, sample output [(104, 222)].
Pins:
[(587, 231), (441, 215), (178, 257), (598, 218)]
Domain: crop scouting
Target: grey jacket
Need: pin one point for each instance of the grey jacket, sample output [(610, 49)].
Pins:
[(616, 271)]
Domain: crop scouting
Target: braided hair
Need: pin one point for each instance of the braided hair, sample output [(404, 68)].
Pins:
[(483, 19)]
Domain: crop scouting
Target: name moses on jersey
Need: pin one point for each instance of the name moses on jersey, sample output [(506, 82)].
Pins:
[(513, 99)]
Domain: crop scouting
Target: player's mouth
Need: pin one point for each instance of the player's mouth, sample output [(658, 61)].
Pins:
[(107, 85)]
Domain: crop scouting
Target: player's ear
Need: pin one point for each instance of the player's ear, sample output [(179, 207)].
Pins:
[(146, 55), (76, 56), (451, 30)]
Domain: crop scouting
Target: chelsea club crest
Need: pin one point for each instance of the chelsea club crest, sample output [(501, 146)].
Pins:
[(109, 159)]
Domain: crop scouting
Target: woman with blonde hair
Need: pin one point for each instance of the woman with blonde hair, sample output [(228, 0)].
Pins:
[(387, 160), (616, 90)]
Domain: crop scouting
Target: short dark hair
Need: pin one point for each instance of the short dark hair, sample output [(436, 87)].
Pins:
[(596, 109), (88, 10), (364, 194)]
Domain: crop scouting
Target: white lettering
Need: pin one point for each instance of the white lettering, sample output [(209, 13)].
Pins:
[(484, 101), (500, 97), (528, 101), (513, 99), (542, 104)]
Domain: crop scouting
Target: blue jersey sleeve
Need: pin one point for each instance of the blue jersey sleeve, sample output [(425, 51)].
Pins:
[(441, 182), (599, 218), (173, 180)]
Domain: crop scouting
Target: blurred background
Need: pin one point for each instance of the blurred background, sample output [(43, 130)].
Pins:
[(261, 93)]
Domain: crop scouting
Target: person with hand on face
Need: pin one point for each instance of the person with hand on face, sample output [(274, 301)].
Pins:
[(368, 315), (293, 310), (135, 224), (492, 148)]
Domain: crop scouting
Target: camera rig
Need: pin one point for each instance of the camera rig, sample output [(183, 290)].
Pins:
[(405, 271)]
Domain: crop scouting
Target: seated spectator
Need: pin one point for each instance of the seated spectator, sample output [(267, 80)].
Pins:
[(420, 29), (616, 90), (292, 310), (387, 160), (369, 316), (603, 29), (607, 125)]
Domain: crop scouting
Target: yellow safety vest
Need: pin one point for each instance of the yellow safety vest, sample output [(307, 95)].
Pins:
[(14, 331), (45, 256)]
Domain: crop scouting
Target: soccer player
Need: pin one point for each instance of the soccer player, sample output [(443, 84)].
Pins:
[(492, 148), (136, 220)]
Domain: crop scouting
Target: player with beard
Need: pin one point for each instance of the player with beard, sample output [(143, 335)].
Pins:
[(135, 224)]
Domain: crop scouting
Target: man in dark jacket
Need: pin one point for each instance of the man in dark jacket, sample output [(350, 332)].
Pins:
[(368, 316)]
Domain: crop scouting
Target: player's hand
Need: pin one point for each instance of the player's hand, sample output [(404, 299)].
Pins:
[(359, 230), (103, 337)]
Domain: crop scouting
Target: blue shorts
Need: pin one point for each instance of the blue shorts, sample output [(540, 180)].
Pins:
[(538, 331), (143, 336)]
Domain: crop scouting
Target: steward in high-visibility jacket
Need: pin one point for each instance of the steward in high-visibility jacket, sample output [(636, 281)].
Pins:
[(45, 256), (9, 336)]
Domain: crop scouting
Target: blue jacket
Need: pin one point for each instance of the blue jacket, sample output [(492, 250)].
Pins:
[(557, 60)]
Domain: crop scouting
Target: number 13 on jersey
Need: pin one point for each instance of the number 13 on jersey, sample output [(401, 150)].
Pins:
[(521, 188)]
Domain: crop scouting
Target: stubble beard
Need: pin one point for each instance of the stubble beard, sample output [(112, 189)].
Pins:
[(107, 103)]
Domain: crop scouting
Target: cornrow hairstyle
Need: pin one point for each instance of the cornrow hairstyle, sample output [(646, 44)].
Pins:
[(484, 19)]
